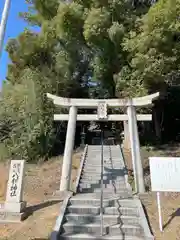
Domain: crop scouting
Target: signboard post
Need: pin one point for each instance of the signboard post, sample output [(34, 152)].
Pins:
[(165, 177), (159, 211)]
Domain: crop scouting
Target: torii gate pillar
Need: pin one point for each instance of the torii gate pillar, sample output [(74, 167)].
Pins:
[(135, 149), (126, 140), (68, 151)]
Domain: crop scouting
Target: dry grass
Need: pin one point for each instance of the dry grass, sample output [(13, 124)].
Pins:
[(170, 201), (40, 183)]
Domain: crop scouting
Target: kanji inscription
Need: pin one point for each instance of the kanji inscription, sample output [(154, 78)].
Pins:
[(15, 178), (15, 182), (102, 110)]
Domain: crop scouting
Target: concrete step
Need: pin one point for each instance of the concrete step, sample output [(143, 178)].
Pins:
[(109, 200), (98, 178), (107, 219), (131, 230), (85, 236), (106, 191), (115, 171), (89, 209), (93, 202), (105, 163), (83, 209), (125, 211), (105, 167), (106, 159), (121, 194), (94, 228), (113, 190), (111, 181), (112, 185)]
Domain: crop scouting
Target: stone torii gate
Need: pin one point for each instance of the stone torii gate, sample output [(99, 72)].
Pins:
[(101, 105)]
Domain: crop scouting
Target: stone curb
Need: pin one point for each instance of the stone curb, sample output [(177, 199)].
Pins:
[(81, 168), (59, 221), (125, 167), (144, 223)]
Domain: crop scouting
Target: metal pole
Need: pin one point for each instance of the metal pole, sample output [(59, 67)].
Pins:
[(4, 23), (159, 212), (101, 208)]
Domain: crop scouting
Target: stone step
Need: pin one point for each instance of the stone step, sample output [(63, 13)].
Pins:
[(92, 150), (85, 236), (107, 219), (121, 218), (105, 175), (94, 228), (106, 165), (96, 167), (89, 218), (105, 181), (89, 209), (126, 211), (115, 171), (119, 191), (117, 185), (96, 154), (94, 200), (83, 209), (112, 190), (91, 201), (107, 162), (131, 230), (98, 178), (114, 164), (106, 158), (99, 147), (121, 194)]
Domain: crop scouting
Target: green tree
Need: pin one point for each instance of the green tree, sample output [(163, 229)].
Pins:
[(79, 52), (154, 49)]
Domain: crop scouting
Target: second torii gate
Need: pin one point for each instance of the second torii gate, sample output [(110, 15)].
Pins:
[(101, 105)]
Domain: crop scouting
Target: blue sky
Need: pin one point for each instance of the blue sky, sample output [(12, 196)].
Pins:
[(15, 25)]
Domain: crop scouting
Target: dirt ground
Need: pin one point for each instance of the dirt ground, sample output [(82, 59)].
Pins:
[(170, 201), (42, 180), (170, 216), (40, 183)]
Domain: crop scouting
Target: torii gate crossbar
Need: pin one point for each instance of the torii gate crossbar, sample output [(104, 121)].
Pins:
[(101, 105)]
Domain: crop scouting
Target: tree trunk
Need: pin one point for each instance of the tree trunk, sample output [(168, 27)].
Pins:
[(157, 118)]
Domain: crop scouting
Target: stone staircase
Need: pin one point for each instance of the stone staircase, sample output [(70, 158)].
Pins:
[(123, 216)]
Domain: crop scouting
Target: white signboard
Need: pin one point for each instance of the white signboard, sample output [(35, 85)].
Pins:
[(165, 174)]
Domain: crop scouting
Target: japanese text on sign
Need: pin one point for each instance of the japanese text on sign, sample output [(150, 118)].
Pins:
[(165, 174), (15, 178)]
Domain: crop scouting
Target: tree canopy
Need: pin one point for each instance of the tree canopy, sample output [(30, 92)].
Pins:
[(84, 49)]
